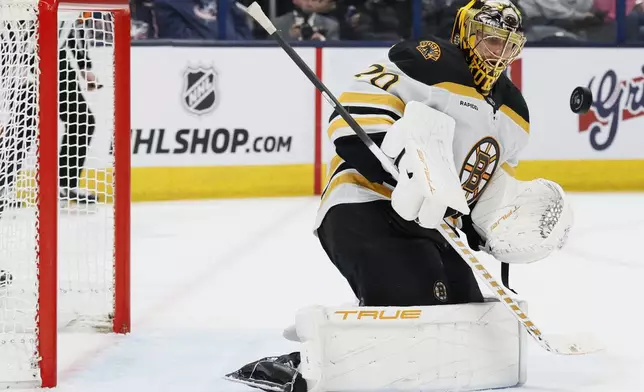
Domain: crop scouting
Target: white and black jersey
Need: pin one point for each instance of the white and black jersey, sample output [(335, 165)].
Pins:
[(490, 131)]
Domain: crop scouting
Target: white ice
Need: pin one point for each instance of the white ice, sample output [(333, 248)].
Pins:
[(215, 282)]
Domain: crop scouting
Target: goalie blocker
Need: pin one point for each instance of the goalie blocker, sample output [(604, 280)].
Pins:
[(462, 347)]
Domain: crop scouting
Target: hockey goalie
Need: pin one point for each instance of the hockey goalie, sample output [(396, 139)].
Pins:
[(454, 125)]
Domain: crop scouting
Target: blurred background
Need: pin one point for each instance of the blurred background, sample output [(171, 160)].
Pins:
[(551, 21)]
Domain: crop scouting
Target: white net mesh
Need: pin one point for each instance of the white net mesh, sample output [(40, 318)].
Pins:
[(86, 234), (18, 245), (86, 215)]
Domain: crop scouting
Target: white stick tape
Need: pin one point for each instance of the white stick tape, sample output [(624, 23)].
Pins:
[(256, 12)]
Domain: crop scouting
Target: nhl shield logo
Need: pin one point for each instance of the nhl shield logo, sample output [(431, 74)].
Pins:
[(199, 90)]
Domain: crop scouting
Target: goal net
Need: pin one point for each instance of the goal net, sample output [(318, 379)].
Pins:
[(64, 178)]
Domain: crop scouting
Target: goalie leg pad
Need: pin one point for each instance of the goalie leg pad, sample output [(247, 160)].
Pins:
[(427, 348)]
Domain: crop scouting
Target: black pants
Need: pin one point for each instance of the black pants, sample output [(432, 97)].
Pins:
[(79, 123), (392, 262)]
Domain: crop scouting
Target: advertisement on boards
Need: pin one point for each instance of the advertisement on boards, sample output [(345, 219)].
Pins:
[(618, 105), (223, 108), (612, 129), (220, 106)]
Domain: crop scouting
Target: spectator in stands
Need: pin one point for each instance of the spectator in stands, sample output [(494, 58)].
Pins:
[(142, 20), (197, 19), (557, 9), (383, 20), (635, 22), (578, 18), (438, 16), (634, 17), (305, 23), (323, 6)]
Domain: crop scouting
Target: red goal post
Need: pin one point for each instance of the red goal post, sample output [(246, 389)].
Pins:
[(68, 269)]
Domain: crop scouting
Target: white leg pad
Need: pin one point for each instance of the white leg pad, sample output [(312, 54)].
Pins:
[(426, 348)]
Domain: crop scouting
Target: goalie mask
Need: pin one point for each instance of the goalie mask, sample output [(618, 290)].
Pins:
[(490, 32)]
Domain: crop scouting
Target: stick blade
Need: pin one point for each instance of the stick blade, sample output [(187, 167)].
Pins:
[(252, 383), (580, 344)]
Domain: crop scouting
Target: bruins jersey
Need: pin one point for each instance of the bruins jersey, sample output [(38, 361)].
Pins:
[(490, 131)]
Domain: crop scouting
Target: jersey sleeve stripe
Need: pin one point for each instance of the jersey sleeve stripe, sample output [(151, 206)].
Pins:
[(371, 122), (366, 110), (335, 162), (342, 167), (351, 177), (459, 89), (514, 116), (389, 101), (509, 169)]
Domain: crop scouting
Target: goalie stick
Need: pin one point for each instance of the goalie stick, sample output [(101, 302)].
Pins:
[(555, 344)]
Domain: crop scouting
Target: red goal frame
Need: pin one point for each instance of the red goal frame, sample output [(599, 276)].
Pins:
[(47, 177)]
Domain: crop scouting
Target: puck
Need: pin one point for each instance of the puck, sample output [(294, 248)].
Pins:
[(580, 100)]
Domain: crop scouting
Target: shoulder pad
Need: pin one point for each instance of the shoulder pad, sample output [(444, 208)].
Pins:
[(513, 99), (431, 61)]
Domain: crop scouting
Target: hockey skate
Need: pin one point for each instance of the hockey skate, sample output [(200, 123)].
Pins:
[(78, 196), (274, 374), (77, 201), (5, 278)]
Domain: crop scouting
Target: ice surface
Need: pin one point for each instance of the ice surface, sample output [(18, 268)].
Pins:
[(215, 282)]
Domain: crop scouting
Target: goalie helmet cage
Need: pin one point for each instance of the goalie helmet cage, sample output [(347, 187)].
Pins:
[(61, 263)]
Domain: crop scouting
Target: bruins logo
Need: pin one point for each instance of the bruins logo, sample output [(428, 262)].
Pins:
[(480, 164), (430, 50), (440, 291)]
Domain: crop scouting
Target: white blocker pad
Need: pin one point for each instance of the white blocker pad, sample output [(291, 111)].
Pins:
[(426, 348)]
